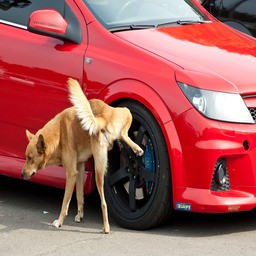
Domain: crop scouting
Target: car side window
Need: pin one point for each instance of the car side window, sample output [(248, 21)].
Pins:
[(17, 12)]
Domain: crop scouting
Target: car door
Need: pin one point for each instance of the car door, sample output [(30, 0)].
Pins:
[(33, 71)]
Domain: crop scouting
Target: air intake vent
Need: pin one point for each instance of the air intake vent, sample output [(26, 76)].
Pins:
[(220, 178)]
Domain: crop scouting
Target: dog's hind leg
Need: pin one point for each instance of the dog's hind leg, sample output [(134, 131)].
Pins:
[(100, 186), (100, 159), (71, 174), (80, 192), (124, 136)]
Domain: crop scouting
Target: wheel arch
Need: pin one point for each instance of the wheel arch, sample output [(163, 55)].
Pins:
[(135, 90), (143, 94)]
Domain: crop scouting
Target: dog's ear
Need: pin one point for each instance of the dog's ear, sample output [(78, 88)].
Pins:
[(29, 135), (40, 145)]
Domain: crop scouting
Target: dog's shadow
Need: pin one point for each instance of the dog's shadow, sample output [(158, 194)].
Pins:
[(25, 205)]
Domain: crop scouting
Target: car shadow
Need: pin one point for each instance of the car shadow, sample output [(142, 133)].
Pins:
[(32, 206)]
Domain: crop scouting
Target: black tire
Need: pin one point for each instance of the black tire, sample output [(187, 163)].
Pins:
[(138, 189)]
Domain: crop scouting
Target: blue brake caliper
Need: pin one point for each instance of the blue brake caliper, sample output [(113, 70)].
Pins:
[(149, 161)]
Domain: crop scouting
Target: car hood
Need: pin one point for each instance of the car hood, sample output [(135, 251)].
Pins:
[(209, 50)]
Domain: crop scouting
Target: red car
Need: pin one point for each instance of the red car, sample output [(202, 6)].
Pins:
[(188, 80)]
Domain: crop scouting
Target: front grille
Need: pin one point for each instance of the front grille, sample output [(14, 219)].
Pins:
[(250, 102)]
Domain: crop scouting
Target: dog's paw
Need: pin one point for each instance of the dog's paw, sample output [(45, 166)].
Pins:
[(139, 152), (56, 224), (106, 230), (78, 218)]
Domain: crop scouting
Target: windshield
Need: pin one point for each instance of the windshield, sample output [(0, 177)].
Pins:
[(114, 14)]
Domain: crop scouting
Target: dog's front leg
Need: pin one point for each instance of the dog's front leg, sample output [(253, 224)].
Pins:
[(70, 184)]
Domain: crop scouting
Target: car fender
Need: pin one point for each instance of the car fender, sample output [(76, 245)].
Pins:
[(138, 91), (142, 93)]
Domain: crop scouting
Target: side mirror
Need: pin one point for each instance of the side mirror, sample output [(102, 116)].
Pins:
[(49, 22)]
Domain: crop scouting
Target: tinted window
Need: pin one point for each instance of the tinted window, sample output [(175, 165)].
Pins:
[(18, 11)]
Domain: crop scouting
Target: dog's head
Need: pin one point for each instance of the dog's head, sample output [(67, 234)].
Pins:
[(35, 155)]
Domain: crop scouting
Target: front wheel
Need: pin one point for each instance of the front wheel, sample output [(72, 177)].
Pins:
[(138, 189)]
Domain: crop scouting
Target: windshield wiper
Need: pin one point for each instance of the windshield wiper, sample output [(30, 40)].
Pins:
[(188, 22), (133, 26), (146, 26), (182, 22), (130, 27)]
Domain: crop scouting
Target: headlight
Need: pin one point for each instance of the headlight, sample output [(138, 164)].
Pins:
[(228, 107)]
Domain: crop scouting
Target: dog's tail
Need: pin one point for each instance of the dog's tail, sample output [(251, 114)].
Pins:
[(83, 108)]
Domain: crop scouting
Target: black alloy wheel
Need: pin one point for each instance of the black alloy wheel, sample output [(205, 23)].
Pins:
[(138, 189)]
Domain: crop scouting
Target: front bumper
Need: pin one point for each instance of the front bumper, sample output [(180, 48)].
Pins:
[(203, 142), (204, 200)]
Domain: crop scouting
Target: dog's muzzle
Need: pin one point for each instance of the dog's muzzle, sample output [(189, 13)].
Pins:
[(25, 176)]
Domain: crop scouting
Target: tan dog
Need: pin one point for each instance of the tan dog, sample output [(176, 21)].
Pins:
[(71, 137)]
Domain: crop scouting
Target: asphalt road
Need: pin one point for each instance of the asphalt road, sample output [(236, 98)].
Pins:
[(27, 211)]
